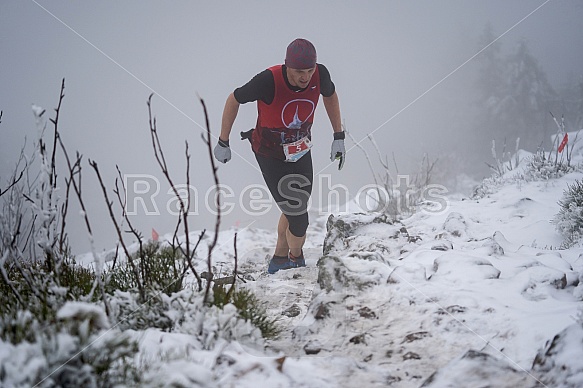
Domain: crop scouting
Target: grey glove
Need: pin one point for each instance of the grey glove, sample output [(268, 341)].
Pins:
[(338, 151), (222, 151)]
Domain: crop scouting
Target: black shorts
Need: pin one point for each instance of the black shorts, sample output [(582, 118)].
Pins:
[(290, 184)]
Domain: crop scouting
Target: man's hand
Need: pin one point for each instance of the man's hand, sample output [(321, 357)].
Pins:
[(222, 151), (338, 151)]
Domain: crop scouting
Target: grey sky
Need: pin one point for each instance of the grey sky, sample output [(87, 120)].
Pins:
[(382, 55)]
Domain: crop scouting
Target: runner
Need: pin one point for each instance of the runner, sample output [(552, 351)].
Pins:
[(287, 96)]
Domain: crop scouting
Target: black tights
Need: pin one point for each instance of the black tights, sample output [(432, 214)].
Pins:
[(290, 184)]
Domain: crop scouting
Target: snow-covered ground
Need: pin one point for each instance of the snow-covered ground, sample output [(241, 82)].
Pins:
[(476, 290), (467, 297)]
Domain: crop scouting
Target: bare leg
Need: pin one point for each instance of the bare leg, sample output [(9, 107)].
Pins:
[(282, 247), (295, 243)]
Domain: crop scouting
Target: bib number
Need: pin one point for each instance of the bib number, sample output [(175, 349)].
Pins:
[(294, 151)]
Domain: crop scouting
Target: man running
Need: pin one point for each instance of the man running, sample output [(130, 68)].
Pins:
[(287, 96)]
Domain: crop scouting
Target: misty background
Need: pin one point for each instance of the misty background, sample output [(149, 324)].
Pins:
[(405, 71)]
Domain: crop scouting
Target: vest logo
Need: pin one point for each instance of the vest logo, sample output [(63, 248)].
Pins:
[(297, 112)]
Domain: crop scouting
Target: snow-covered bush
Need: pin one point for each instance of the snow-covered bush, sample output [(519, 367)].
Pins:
[(506, 162), (160, 268), (210, 323), (501, 168), (487, 186), (569, 220), (78, 349), (50, 334), (241, 317), (249, 308), (540, 167), (398, 196), (128, 312), (537, 167), (62, 324), (186, 312), (41, 292)]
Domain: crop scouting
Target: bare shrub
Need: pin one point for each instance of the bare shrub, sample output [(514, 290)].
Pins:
[(397, 195)]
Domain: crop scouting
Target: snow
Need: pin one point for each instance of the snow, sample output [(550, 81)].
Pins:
[(84, 311), (466, 297), (485, 277)]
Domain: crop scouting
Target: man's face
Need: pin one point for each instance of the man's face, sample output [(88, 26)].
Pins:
[(300, 77)]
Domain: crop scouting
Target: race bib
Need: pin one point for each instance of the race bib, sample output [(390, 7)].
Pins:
[(294, 151)]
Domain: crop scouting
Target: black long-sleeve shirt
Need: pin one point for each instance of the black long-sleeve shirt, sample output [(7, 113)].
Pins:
[(262, 86)]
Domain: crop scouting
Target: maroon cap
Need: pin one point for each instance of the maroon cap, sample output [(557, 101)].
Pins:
[(301, 54)]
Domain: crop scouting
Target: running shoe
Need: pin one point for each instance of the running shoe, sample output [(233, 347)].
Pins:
[(297, 261), (279, 262)]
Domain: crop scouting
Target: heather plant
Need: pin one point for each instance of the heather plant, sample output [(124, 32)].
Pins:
[(249, 308), (52, 309), (569, 219), (74, 324), (161, 268)]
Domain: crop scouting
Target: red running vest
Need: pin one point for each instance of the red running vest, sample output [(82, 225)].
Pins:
[(288, 118)]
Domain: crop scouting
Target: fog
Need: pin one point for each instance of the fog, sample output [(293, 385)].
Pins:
[(404, 72)]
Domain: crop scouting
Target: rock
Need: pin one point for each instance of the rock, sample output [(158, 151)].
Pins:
[(459, 268), (455, 225), (559, 364), (358, 339), (554, 260), (366, 312), (477, 369), (416, 336), (578, 291), (390, 380), (532, 281), (313, 347), (493, 247), (339, 228), (506, 245), (454, 309), (442, 246), (411, 356), (382, 218), (322, 311), (225, 359), (408, 273), (293, 311), (370, 256), (333, 274), (249, 277), (413, 239)]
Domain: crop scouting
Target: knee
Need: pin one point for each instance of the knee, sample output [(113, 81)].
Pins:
[(298, 225)]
